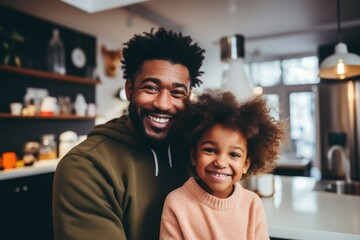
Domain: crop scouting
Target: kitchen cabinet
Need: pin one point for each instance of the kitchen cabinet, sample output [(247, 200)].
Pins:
[(16, 130), (293, 167), (25, 207)]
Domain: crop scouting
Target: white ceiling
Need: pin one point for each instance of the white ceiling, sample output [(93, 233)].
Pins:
[(93, 6), (272, 28)]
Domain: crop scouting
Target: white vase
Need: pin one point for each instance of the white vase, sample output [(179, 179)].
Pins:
[(80, 105)]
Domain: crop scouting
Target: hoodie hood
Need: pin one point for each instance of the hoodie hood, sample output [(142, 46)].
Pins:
[(116, 129)]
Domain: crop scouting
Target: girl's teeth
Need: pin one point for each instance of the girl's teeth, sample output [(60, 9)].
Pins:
[(218, 175)]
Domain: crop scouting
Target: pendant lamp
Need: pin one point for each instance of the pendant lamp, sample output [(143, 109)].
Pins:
[(234, 76), (342, 64)]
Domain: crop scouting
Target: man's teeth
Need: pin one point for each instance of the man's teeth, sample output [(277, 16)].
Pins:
[(159, 120)]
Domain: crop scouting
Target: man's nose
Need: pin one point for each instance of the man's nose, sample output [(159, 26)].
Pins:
[(163, 101)]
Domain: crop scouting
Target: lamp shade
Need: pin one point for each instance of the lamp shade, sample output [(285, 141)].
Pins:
[(232, 47), (234, 77), (340, 65), (236, 81)]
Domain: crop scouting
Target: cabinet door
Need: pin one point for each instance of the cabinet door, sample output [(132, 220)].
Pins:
[(26, 208)]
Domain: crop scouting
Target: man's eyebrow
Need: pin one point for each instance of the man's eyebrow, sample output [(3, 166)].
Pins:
[(180, 85), (154, 80), (158, 81)]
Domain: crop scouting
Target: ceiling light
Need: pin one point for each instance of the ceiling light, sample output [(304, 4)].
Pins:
[(235, 79), (92, 6), (341, 64)]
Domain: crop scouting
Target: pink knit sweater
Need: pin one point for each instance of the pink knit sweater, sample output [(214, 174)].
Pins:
[(192, 213)]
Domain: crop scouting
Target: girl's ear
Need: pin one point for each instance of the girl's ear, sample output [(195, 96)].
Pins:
[(193, 158), (247, 164)]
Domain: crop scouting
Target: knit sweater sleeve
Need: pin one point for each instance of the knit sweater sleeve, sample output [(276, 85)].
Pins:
[(79, 211), (169, 227), (261, 225)]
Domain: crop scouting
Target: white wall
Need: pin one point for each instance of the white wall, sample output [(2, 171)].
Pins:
[(113, 27), (213, 67)]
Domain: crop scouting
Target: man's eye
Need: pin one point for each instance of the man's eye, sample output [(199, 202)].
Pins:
[(178, 93), (150, 88)]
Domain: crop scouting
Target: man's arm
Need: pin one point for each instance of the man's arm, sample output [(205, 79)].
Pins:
[(84, 205)]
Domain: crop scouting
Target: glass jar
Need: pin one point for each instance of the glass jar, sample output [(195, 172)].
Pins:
[(68, 140), (48, 147)]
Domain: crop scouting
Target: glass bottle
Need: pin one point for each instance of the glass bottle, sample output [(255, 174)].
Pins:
[(56, 54)]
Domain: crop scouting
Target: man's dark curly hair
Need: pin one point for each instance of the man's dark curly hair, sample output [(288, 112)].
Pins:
[(263, 133), (162, 45)]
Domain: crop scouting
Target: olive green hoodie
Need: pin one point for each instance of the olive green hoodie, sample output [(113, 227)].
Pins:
[(112, 186)]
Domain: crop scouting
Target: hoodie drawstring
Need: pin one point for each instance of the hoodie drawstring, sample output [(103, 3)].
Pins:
[(156, 160), (169, 155)]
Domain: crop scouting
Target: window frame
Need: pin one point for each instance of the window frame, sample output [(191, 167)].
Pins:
[(284, 91)]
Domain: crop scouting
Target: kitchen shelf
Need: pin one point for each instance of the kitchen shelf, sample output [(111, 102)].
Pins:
[(55, 117), (17, 130), (47, 75)]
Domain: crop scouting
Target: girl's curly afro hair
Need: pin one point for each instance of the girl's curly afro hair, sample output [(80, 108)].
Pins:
[(263, 133)]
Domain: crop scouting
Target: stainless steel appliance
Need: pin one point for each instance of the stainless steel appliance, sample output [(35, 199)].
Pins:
[(338, 128)]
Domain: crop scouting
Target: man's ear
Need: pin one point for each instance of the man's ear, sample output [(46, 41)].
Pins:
[(128, 89)]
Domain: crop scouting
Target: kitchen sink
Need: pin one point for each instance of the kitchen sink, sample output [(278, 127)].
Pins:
[(338, 186)]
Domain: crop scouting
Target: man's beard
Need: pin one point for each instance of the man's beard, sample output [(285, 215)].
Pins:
[(136, 119)]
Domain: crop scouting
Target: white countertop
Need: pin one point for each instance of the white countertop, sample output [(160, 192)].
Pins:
[(39, 167), (297, 212)]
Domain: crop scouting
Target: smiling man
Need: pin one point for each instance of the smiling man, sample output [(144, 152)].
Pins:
[(156, 97), (113, 184)]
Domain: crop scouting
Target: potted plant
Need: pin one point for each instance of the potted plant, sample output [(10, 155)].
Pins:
[(8, 43)]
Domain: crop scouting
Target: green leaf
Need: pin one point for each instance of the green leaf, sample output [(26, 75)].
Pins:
[(17, 37)]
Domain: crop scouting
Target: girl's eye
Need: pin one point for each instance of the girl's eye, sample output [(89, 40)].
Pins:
[(235, 155), (209, 150)]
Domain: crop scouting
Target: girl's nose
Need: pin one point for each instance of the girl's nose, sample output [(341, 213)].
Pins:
[(220, 162)]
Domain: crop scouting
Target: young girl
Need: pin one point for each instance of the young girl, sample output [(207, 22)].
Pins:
[(228, 141)]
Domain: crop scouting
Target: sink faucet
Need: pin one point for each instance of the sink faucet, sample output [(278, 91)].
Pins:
[(344, 160)]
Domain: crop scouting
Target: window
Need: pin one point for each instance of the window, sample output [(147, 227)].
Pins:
[(300, 70), (287, 86), (266, 74), (273, 104), (302, 123)]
